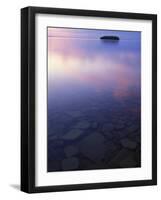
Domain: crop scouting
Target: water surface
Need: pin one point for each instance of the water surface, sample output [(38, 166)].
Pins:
[(93, 99)]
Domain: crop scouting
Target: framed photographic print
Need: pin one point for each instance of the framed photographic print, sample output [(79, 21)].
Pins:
[(88, 99)]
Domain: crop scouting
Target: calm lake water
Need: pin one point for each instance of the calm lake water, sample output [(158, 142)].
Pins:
[(94, 102)]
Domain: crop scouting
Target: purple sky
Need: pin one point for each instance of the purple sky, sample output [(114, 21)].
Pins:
[(77, 59)]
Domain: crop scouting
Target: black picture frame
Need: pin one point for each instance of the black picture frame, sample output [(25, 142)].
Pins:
[(28, 98)]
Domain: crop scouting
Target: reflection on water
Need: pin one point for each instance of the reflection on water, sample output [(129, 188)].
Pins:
[(93, 100)]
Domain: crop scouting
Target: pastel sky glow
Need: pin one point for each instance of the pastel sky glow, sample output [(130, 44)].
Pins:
[(77, 58)]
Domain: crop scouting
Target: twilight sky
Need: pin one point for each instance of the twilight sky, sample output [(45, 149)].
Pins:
[(79, 61)]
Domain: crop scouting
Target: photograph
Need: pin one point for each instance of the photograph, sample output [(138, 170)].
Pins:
[(94, 99), (79, 101), (88, 99)]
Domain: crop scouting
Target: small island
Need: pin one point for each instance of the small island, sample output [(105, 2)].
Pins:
[(110, 37)]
